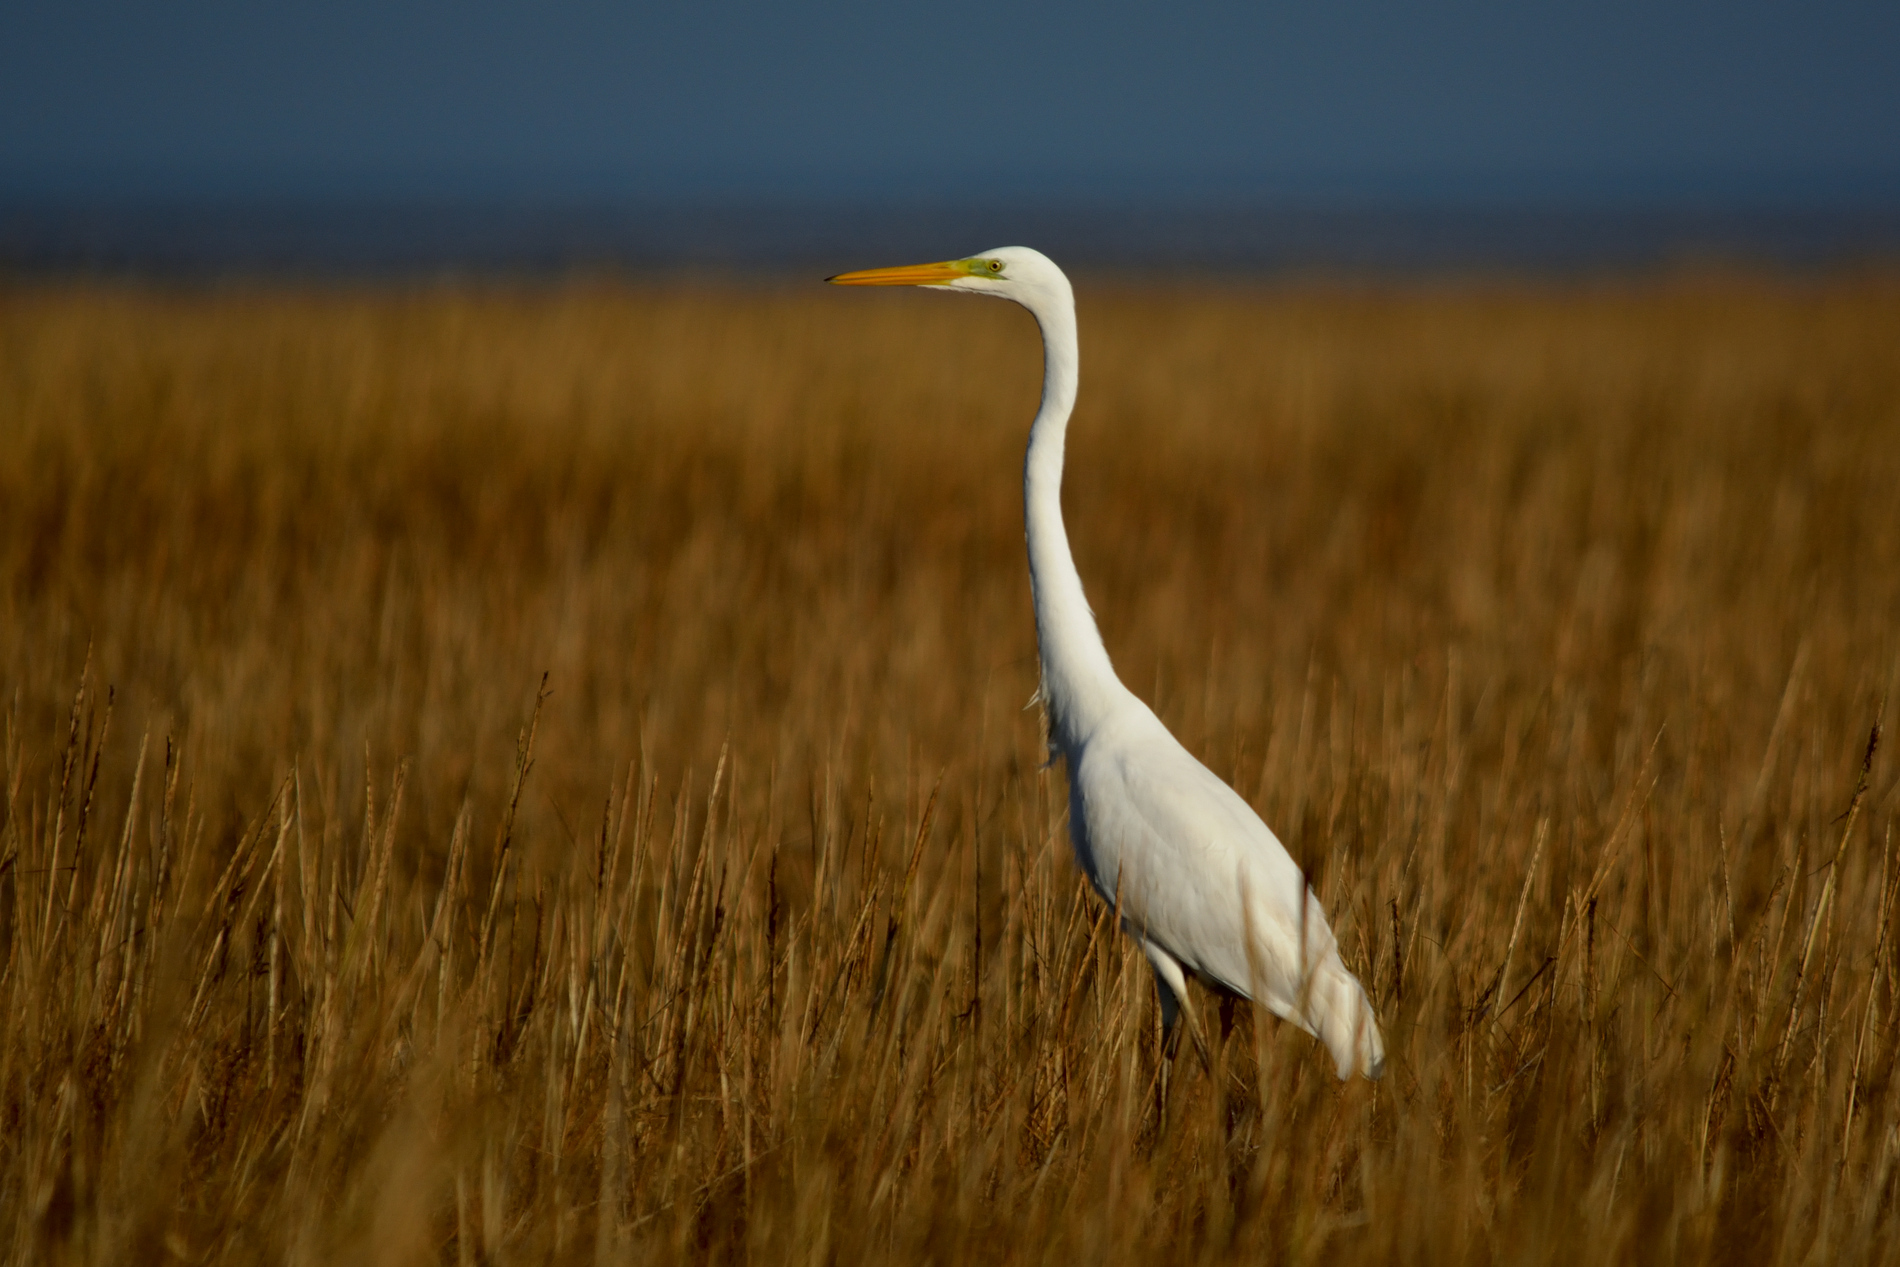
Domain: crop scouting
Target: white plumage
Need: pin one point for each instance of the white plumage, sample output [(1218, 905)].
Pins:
[(1202, 884)]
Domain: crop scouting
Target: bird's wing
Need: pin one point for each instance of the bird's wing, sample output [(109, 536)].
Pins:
[(1195, 865), (1200, 875)]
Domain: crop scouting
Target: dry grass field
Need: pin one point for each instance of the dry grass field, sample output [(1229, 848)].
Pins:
[(1546, 624)]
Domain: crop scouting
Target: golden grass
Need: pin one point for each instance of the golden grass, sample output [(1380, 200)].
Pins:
[(1547, 626)]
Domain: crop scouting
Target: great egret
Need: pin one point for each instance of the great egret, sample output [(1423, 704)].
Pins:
[(1201, 883)]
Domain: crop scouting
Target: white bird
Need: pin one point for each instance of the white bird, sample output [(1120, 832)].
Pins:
[(1199, 880)]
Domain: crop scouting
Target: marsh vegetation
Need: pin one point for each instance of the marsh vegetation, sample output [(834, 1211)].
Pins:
[(523, 774)]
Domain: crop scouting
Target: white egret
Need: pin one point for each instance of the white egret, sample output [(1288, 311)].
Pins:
[(1201, 883)]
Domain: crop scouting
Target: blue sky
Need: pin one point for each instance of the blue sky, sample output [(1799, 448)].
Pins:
[(1611, 100)]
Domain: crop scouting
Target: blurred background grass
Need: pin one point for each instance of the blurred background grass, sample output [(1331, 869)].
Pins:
[(1546, 623)]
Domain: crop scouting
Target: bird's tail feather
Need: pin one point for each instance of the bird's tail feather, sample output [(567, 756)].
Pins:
[(1338, 1012), (1327, 1002)]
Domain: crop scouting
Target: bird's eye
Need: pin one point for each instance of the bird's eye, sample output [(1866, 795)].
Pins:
[(996, 266)]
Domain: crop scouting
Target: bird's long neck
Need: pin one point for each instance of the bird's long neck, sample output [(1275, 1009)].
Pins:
[(1079, 686)]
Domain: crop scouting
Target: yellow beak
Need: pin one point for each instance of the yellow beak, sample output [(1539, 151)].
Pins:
[(905, 275)]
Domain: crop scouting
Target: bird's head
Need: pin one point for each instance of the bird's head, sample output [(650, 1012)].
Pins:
[(1008, 272)]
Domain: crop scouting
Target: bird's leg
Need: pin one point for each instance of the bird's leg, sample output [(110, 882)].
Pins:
[(1170, 1021), (1221, 1073), (1164, 1051), (1227, 1002), (1170, 1048), (1174, 1020), (1171, 987), (1170, 1037), (1168, 989), (1200, 1045)]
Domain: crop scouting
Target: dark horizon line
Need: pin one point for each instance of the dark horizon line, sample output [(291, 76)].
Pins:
[(383, 239)]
